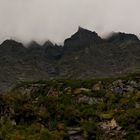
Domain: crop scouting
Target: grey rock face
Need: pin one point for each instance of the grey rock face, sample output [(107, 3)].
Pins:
[(122, 37), (81, 39), (123, 86), (84, 55)]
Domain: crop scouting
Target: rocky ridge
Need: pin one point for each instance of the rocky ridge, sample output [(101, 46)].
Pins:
[(85, 55)]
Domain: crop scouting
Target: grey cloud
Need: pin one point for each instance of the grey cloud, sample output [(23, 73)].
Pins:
[(27, 20)]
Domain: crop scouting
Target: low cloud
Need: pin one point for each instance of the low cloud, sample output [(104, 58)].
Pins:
[(40, 20)]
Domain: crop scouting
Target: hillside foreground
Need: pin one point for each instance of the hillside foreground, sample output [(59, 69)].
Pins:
[(102, 109)]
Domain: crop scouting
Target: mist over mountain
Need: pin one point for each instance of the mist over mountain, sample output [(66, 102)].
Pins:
[(85, 55), (40, 20), (69, 69)]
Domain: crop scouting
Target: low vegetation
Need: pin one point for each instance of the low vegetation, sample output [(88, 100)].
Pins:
[(68, 110)]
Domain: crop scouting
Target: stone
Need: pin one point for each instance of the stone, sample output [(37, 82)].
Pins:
[(13, 122), (77, 137), (133, 83), (113, 124), (73, 130), (119, 128), (123, 86), (129, 89), (109, 125), (97, 86), (75, 133), (68, 90), (81, 90), (85, 100), (118, 90), (111, 128), (137, 104)]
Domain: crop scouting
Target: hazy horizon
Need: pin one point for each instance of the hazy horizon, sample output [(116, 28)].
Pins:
[(41, 20)]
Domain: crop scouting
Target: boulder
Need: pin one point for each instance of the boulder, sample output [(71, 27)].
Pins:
[(75, 133), (98, 86), (85, 100), (109, 125), (81, 90)]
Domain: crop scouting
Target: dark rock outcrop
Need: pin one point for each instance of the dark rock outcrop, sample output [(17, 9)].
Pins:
[(122, 37), (81, 39), (84, 55)]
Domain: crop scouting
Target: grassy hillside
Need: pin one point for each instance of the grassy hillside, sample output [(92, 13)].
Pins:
[(102, 109)]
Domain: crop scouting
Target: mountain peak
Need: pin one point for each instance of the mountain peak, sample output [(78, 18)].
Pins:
[(82, 33), (33, 44), (83, 38), (122, 37), (11, 43), (83, 30), (48, 44), (80, 28)]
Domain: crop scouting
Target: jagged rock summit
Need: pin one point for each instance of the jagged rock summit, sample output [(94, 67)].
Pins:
[(83, 38), (33, 44)]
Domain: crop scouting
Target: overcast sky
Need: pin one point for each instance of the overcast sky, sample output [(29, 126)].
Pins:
[(26, 20)]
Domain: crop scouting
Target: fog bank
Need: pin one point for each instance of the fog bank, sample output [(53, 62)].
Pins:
[(40, 20)]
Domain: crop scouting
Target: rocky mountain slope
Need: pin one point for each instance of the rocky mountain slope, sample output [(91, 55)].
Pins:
[(102, 109), (84, 55)]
